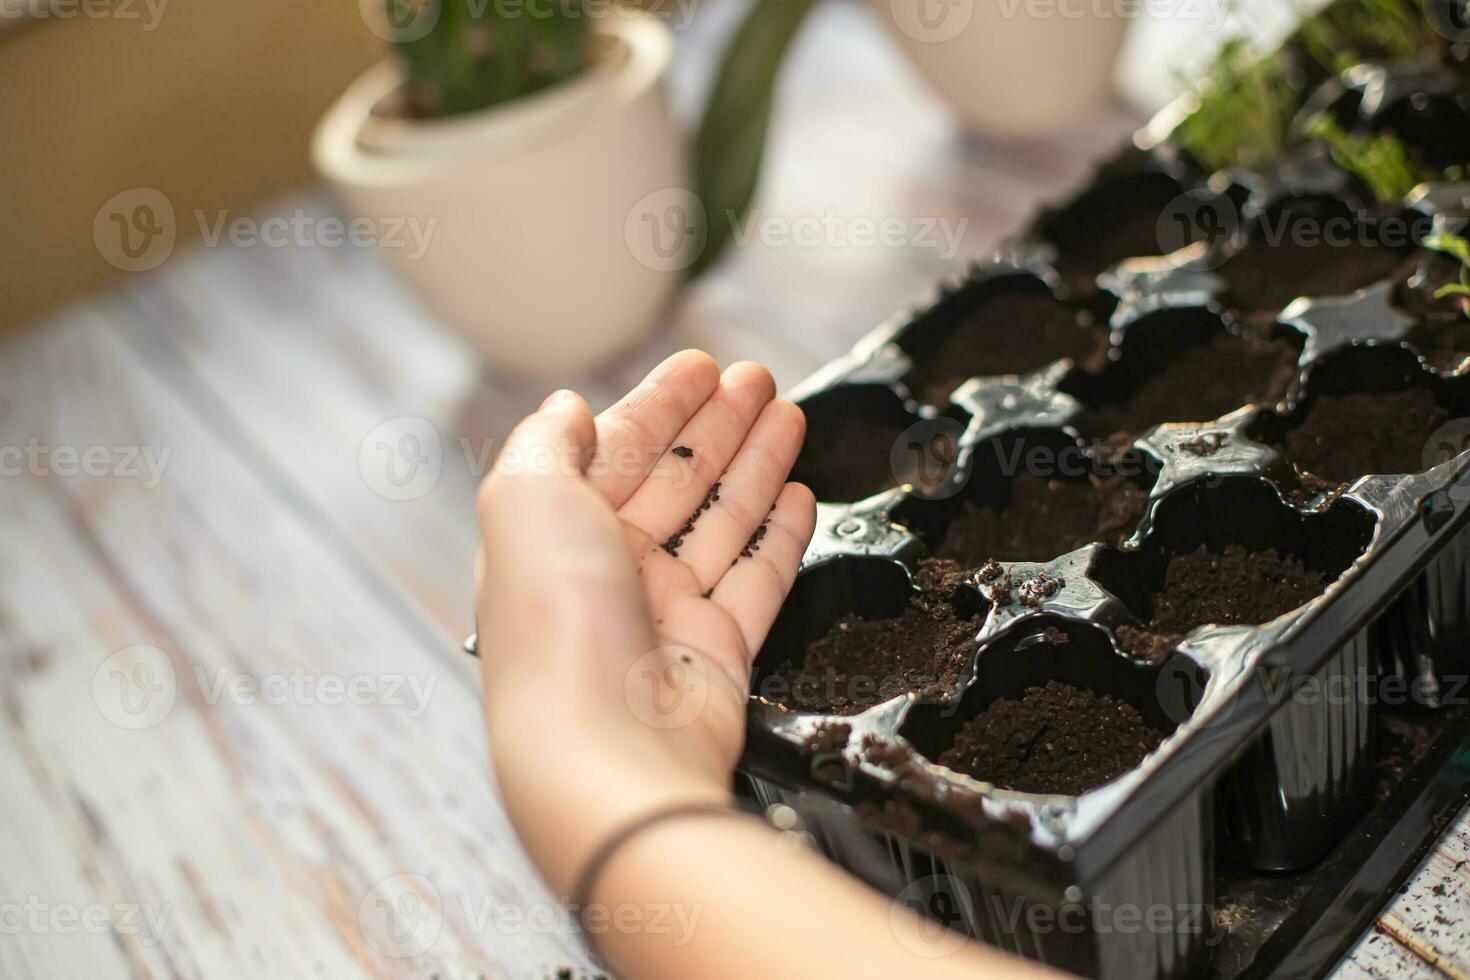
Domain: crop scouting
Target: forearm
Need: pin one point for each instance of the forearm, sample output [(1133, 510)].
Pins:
[(724, 896)]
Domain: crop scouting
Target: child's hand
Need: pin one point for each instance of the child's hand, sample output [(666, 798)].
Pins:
[(617, 643)]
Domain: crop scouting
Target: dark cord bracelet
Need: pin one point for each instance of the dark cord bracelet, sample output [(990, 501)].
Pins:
[(582, 894)]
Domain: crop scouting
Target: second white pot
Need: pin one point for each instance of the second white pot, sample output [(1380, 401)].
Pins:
[(1012, 68), (525, 207)]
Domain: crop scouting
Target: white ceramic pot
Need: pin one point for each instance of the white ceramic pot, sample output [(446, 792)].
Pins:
[(1012, 68), (524, 208)]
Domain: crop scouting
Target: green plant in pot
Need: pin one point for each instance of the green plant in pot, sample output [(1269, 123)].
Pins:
[(523, 137), (476, 56)]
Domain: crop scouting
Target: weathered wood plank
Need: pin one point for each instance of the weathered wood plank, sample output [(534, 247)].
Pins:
[(1430, 912), (261, 823)]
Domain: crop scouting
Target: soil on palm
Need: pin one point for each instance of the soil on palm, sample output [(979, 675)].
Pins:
[(1011, 332), (1044, 519), (1344, 437), (860, 662), (1234, 586), (1054, 739)]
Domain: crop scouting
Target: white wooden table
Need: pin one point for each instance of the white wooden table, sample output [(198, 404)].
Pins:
[(239, 736)]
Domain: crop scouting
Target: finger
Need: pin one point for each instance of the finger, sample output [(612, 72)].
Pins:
[(748, 489), (675, 489), (556, 441), (633, 434), (753, 590), (682, 617), (538, 512)]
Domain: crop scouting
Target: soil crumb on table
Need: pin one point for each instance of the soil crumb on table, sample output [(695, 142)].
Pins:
[(1054, 739), (1233, 587), (858, 663)]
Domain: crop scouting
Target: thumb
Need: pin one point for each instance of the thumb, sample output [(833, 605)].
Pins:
[(557, 441)]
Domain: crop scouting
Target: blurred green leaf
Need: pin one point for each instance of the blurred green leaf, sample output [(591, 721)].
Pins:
[(732, 135)]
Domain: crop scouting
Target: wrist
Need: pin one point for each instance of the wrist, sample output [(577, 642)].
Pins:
[(567, 795)]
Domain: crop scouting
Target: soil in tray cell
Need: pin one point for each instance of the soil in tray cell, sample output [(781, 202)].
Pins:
[(1312, 247), (1201, 384), (1044, 520), (1117, 221), (1011, 332), (1053, 739), (1344, 437), (1232, 587), (858, 663), (851, 460)]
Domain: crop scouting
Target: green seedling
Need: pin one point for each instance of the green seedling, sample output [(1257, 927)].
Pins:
[(1458, 248), (1381, 159)]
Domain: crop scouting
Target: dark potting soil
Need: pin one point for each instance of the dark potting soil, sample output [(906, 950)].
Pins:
[(1348, 436), (1232, 587), (1054, 739), (850, 461), (1201, 384), (1291, 255), (1117, 221), (859, 662), (1044, 519), (1442, 334), (1011, 332)]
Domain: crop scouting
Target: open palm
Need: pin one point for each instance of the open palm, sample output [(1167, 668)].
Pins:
[(631, 568)]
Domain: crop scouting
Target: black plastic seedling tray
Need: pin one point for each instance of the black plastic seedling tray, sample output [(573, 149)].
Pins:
[(1307, 760)]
